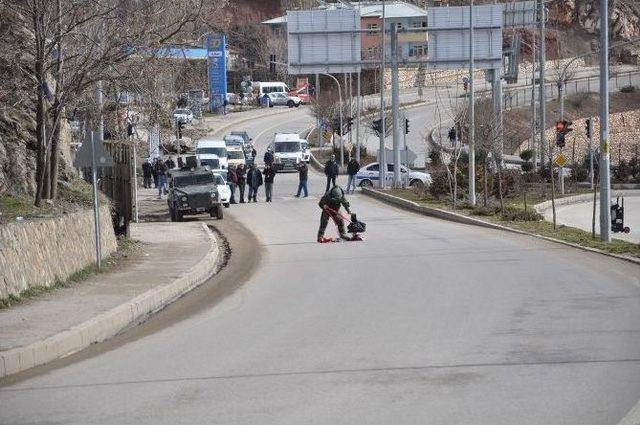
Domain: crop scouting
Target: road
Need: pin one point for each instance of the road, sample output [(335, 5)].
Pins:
[(426, 321), (580, 215)]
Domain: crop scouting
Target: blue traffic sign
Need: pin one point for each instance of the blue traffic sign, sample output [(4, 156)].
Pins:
[(217, 69)]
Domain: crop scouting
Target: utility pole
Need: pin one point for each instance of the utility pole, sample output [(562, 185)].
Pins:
[(395, 107), (94, 181), (534, 130), (605, 155), (472, 112), (358, 121), (541, 66), (317, 95), (381, 153), (590, 124)]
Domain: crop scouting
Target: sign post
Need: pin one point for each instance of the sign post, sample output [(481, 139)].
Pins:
[(217, 70)]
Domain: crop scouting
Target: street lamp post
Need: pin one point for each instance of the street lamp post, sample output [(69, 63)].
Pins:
[(340, 109)]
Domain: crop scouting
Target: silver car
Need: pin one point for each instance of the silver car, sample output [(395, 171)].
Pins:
[(277, 98)]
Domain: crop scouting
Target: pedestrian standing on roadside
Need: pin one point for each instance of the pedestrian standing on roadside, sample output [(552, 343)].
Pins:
[(269, 175), (154, 173), (170, 163), (161, 169), (303, 174), (352, 169), (241, 177), (268, 157), (146, 174), (254, 180), (331, 171), (232, 181)]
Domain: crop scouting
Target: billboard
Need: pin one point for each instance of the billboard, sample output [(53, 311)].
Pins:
[(217, 70), (323, 41), (449, 37)]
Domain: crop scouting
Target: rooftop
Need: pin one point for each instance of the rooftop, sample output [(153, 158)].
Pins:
[(370, 9)]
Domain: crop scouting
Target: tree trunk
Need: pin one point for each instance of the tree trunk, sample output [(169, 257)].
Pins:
[(58, 109), (484, 181), (500, 189), (53, 161), (41, 140)]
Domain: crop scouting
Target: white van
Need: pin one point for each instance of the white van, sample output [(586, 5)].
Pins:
[(270, 87), (208, 148), (288, 151)]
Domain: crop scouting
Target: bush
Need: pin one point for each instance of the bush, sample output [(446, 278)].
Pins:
[(516, 214), (527, 167), (436, 157), (511, 183), (485, 211), (580, 173), (526, 155), (440, 184)]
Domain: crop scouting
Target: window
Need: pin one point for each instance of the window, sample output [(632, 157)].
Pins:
[(373, 167), (372, 27), (221, 152), (419, 24), (399, 25), (418, 50), (373, 52)]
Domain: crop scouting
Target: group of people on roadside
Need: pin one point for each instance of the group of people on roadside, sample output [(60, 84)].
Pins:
[(252, 178), (156, 171), (331, 171)]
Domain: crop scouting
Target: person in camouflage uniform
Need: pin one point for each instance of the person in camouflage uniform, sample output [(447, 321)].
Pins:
[(330, 203)]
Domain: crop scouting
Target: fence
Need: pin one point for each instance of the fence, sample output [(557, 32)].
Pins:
[(521, 96)]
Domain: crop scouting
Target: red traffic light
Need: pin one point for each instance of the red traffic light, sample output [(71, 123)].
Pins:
[(563, 126)]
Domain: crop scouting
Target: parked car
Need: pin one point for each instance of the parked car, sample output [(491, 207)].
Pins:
[(223, 189), (369, 174), (193, 191), (243, 134), (276, 98), (235, 155), (233, 140), (183, 115), (302, 93), (208, 147)]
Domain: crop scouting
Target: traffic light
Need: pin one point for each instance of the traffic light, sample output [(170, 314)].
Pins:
[(562, 128), (587, 126), (406, 126), (452, 134), (349, 123)]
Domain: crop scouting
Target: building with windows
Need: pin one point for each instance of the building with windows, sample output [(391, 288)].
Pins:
[(412, 45)]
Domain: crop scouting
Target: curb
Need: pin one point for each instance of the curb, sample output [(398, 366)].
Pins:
[(111, 322), (577, 199), (459, 218), (632, 417)]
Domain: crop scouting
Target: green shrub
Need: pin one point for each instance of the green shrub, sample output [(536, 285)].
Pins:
[(440, 184), (511, 183), (526, 155), (527, 167), (484, 211), (580, 173), (517, 214)]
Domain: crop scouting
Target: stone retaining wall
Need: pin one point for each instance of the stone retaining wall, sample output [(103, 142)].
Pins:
[(40, 252)]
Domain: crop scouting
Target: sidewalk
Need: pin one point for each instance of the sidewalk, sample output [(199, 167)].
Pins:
[(175, 258)]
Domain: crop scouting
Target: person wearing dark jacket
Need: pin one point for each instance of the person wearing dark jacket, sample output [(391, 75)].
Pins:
[(330, 204), (254, 180), (241, 177), (352, 169), (269, 174), (268, 157), (147, 169), (232, 182), (170, 163), (331, 171), (303, 173)]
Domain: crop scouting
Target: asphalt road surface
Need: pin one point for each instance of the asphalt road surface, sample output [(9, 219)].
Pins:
[(580, 216), (424, 322)]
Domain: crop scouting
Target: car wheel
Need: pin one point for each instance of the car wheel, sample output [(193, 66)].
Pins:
[(179, 216), (416, 183), (172, 214), (270, 104), (226, 205), (297, 104), (290, 104), (366, 183), (219, 212)]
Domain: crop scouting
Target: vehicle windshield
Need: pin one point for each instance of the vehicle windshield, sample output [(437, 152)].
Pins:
[(211, 163), (193, 179), (219, 180), (235, 155), (233, 140), (221, 152), (287, 147)]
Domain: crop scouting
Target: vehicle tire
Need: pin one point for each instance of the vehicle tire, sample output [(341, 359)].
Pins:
[(416, 183), (366, 183), (290, 104), (297, 104), (226, 205), (172, 214), (219, 212), (270, 104), (179, 215)]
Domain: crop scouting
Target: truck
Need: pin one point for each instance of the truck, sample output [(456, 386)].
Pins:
[(193, 191)]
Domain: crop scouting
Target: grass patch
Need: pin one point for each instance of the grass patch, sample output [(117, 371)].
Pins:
[(126, 247), (530, 221)]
